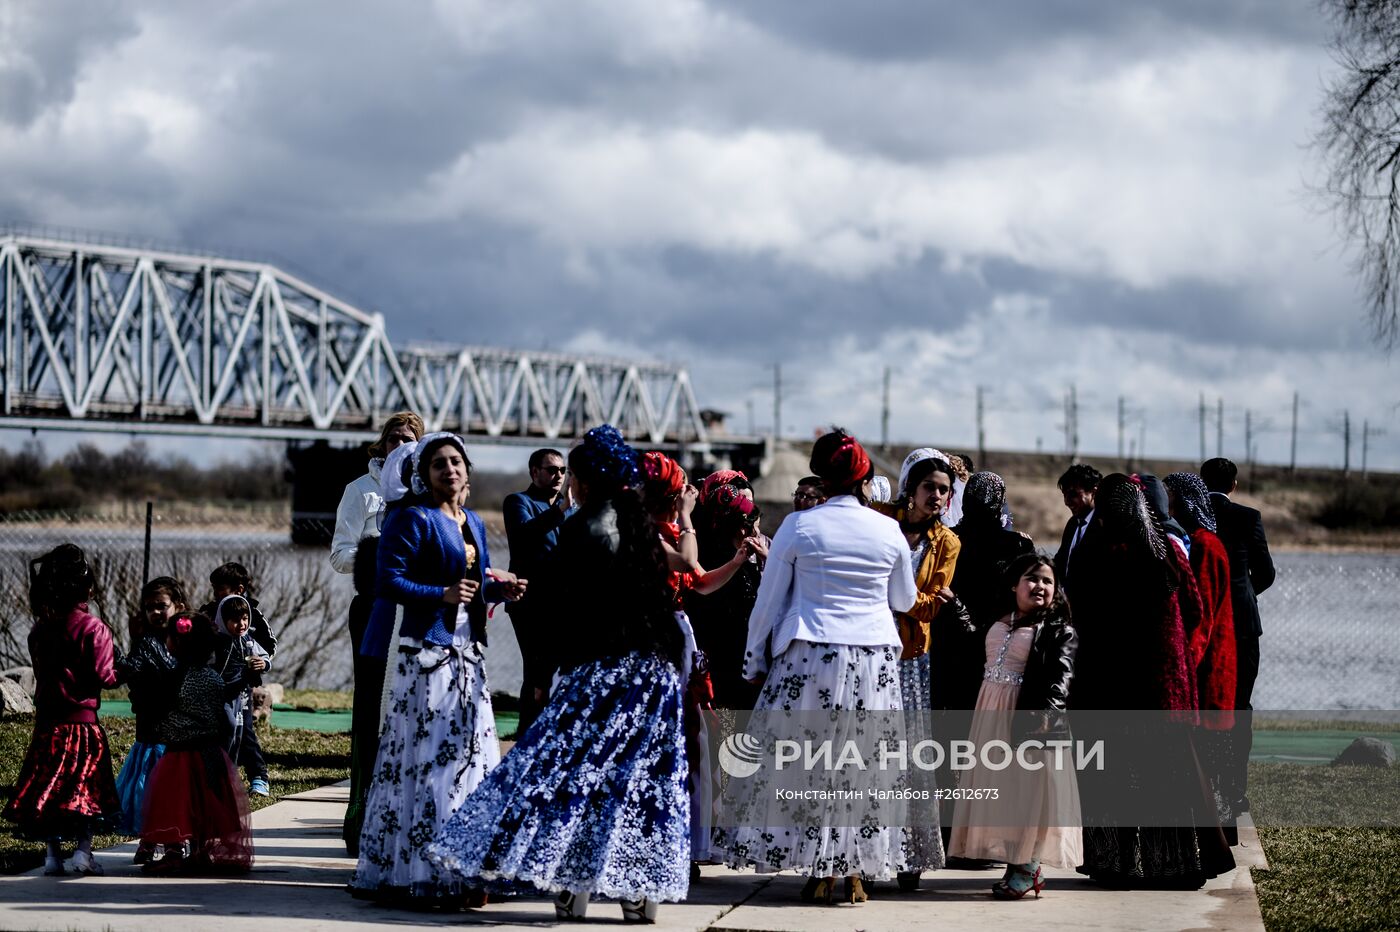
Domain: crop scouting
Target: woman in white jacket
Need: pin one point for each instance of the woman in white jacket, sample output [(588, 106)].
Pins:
[(834, 574), (356, 521)]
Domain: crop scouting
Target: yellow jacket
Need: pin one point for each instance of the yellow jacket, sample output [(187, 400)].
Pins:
[(934, 572)]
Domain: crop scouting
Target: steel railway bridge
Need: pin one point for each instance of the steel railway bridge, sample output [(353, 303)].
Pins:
[(122, 339), (129, 340)]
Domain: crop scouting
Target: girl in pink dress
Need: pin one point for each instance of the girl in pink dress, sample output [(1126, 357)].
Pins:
[(1030, 663)]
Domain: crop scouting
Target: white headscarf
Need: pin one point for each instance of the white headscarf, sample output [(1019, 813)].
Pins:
[(923, 453), (880, 489), (419, 486), (391, 484)]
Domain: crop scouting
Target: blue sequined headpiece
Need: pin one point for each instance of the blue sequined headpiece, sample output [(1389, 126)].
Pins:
[(607, 456)]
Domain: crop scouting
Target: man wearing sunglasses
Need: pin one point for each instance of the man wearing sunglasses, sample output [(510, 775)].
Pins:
[(532, 529), (809, 494)]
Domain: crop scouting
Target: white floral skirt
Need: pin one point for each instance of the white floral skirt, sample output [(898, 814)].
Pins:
[(439, 742), (776, 834)]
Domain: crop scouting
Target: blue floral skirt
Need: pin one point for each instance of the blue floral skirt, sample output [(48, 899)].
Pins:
[(592, 799), (131, 784)]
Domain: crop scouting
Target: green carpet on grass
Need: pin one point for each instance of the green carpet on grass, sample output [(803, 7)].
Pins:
[(330, 721)]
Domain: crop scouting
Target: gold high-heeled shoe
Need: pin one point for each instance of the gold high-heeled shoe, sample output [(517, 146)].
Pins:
[(819, 890), (855, 891)]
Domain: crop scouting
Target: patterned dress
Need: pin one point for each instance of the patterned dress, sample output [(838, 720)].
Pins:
[(593, 798), (825, 837)]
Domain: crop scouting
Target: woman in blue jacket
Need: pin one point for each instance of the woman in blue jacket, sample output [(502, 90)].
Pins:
[(439, 740)]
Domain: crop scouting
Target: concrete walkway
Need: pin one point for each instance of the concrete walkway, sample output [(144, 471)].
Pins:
[(300, 872)]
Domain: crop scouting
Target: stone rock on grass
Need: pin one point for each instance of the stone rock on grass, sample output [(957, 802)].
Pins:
[(274, 690), (14, 700), (262, 704), (24, 676), (1367, 752)]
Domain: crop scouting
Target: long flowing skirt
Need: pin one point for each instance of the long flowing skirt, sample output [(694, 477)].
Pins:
[(439, 743), (132, 782), (1038, 817), (924, 840), (1183, 855), (776, 834), (65, 787), (592, 799), (195, 796)]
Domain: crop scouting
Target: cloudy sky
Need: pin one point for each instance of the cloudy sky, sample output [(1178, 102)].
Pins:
[(1020, 194)]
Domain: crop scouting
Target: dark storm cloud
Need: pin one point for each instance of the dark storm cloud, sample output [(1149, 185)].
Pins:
[(881, 30), (43, 47)]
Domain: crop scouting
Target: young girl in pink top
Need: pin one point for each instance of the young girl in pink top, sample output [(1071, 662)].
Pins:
[(65, 789)]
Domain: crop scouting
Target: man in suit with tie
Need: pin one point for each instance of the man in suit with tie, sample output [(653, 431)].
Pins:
[(1241, 529), (1077, 485)]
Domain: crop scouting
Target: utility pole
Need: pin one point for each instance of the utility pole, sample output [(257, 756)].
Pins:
[(777, 401), (1074, 424), (1346, 444), (1248, 436), (1201, 418), (981, 429), (1293, 442), (749, 403), (1219, 426), (885, 413), (1121, 402), (1365, 445), (1249, 446), (1367, 432)]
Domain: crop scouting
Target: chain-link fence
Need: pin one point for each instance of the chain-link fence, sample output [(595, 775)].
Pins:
[(305, 600), (1330, 630), (1331, 639)]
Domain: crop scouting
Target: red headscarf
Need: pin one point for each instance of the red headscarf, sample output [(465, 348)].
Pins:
[(728, 498), (664, 475), (847, 465), (718, 480)]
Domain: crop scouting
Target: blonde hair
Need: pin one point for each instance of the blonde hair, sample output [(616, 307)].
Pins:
[(395, 421)]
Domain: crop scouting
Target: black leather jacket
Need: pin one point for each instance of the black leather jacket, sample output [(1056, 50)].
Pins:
[(1045, 684)]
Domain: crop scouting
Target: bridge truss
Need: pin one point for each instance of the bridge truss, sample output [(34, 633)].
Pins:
[(113, 338)]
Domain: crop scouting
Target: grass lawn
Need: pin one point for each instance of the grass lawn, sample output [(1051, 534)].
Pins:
[(296, 761), (1323, 872)]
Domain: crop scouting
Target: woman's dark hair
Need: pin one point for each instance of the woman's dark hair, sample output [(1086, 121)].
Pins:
[(1016, 570), (834, 457), (644, 602), (192, 639), (716, 537), (59, 581), (164, 585)]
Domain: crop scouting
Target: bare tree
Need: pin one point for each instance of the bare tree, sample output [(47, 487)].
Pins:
[(1360, 143)]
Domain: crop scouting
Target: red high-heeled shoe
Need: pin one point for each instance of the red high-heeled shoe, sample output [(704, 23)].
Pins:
[(1001, 890)]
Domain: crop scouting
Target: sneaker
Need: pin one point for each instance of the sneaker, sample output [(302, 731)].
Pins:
[(85, 865), (258, 787), (53, 867), (145, 854)]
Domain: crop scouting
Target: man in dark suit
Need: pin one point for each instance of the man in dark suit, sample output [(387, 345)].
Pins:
[(1241, 529), (533, 518), (1078, 486)]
